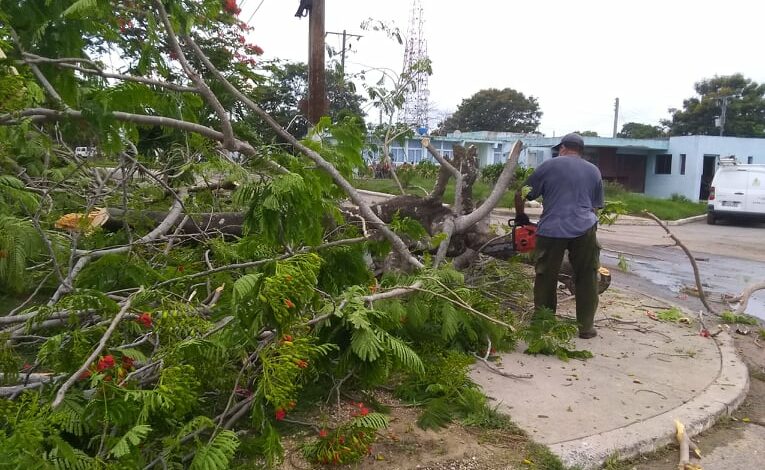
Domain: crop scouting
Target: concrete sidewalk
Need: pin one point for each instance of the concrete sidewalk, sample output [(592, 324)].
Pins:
[(644, 374)]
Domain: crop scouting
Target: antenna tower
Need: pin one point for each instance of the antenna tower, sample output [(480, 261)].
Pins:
[(415, 110)]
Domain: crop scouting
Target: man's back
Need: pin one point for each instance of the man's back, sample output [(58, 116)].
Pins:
[(571, 188)]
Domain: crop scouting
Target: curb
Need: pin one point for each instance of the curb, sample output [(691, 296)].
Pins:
[(720, 398)]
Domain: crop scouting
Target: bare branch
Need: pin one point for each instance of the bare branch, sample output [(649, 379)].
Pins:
[(696, 275), (505, 178), (69, 64), (101, 345), (228, 132), (398, 244)]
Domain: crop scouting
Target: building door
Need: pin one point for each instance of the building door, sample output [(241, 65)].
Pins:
[(708, 172)]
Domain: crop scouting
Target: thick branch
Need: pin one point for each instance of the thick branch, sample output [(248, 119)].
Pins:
[(690, 256), (398, 244), (743, 298), (505, 178)]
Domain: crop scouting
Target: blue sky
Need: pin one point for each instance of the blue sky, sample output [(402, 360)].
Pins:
[(574, 56)]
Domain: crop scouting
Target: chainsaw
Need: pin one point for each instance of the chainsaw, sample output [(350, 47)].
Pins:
[(522, 239)]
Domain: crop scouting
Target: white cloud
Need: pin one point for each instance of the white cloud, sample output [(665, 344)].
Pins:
[(574, 56)]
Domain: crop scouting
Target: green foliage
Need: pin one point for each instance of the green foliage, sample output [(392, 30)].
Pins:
[(546, 335), (496, 110), (407, 226), (14, 197), (636, 130), (131, 439), (745, 107), (673, 315), (19, 244), (611, 211), (117, 271), (731, 317), (216, 454), (490, 173)]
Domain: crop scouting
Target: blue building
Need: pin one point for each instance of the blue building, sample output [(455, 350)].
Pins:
[(681, 165)]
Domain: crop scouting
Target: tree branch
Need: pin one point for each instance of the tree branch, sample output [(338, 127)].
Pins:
[(228, 132), (398, 244), (101, 345), (466, 221), (696, 275)]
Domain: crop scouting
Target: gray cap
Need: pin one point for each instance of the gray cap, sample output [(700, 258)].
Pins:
[(572, 138)]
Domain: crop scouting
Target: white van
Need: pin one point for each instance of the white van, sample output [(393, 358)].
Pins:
[(737, 191)]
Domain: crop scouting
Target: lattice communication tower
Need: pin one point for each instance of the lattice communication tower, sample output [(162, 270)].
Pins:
[(415, 110)]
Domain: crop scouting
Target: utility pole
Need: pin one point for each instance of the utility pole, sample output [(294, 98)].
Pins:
[(616, 116), (317, 80), (345, 35)]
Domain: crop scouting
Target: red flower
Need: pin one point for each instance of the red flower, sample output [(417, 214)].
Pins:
[(106, 362), (287, 338), (231, 7), (341, 439), (288, 303), (364, 411), (302, 363), (127, 362), (144, 319), (280, 414), (86, 374), (257, 50), (323, 433)]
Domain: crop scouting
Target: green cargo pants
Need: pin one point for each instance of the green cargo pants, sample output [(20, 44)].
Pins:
[(584, 255)]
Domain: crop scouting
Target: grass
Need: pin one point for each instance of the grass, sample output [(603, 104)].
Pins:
[(634, 203), (418, 183)]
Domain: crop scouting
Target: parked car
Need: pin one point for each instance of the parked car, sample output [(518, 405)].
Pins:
[(738, 191)]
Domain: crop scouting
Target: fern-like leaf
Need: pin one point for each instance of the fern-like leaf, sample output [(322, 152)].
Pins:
[(131, 439), (217, 454)]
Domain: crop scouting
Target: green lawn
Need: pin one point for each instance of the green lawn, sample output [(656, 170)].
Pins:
[(481, 190), (635, 203)]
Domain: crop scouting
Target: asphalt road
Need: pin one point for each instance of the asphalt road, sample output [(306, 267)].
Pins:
[(729, 258)]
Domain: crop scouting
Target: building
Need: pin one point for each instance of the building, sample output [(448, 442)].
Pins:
[(681, 165)]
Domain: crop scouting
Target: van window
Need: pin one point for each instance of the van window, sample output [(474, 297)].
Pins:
[(663, 165)]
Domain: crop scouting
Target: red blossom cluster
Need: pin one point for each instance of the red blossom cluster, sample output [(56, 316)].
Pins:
[(230, 6), (301, 363), (362, 410), (288, 303), (144, 319)]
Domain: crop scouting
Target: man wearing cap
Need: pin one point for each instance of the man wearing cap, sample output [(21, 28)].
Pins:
[(572, 189)]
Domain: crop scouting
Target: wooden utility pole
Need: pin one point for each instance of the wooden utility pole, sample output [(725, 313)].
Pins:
[(345, 35), (317, 80)]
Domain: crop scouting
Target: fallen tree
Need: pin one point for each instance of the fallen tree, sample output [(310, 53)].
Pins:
[(162, 352)]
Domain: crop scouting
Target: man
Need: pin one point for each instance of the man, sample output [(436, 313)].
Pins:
[(572, 189)]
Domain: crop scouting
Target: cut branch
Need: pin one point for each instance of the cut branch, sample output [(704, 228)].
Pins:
[(696, 275)]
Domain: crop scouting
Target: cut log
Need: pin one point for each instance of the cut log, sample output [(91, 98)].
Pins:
[(228, 223)]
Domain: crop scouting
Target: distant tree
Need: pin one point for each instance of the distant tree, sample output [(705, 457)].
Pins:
[(745, 116), (285, 90), (587, 133), (636, 130), (496, 110)]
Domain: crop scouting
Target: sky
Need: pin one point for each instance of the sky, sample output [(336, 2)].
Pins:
[(575, 57)]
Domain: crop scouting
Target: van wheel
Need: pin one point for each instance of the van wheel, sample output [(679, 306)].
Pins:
[(711, 219)]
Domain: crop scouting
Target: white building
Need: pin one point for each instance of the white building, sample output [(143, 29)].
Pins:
[(657, 167)]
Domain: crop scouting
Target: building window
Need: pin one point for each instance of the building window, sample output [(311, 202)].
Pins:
[(498, 154), (750, 159), (397, 154), (414, 155), (682, 163), (663, 165)]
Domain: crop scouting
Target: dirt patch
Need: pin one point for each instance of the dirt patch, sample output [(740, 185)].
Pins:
[(404, 445)]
